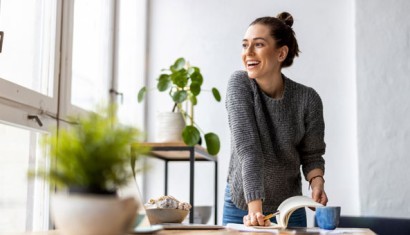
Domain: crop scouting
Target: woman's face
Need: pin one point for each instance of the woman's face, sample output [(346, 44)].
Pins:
[(259, 54)]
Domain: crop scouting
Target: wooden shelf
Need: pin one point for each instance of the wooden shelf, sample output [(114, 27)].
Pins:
[(178, 151)]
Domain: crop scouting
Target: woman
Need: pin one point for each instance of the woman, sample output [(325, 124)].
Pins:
[(276, 127)]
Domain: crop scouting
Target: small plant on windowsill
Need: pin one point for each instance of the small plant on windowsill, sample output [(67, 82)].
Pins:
[(184, 83)]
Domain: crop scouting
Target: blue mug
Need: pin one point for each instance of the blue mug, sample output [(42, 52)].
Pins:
[(327, 217)]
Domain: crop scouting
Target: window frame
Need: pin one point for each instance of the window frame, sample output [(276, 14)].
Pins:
[(17, 102), (66, 108), (14, 93)]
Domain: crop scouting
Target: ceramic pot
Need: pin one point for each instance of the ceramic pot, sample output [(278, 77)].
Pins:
[(169, 127), (87, 214)]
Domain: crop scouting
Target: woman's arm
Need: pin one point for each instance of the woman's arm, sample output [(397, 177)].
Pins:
[(313, 147), (248, 162), (246, 143), (316, 183)]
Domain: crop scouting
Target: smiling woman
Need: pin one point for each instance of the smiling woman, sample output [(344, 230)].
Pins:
[(276, 127)]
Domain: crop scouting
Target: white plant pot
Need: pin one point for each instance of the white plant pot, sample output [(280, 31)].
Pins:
[(93, 215), (169, 127)]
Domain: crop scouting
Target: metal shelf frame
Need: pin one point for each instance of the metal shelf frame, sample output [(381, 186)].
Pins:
[(169, 152)]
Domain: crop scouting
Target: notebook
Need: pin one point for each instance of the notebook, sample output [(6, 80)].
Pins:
[(142, 224)]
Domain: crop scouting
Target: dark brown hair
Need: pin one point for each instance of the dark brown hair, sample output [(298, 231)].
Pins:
[(282, 32)]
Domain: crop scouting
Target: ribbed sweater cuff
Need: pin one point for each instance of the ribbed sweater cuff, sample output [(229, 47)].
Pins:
[(254, 195), (242, 203), (311, 166)]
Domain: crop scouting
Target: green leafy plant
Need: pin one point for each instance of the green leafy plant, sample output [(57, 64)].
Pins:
[(184, 83), (93, 154)]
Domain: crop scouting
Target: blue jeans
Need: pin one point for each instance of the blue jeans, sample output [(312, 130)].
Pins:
[(232, 214)]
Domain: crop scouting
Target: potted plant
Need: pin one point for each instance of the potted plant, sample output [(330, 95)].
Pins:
[(184, 84), (92, 159)]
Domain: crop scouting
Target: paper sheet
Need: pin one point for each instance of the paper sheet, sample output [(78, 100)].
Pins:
[(244, 228), (337, 230), (271, 229)]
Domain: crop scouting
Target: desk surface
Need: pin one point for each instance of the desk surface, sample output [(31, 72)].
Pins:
[(213, 232)]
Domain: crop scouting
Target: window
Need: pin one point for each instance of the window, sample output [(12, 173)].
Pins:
[(92, 52), (28, 86), (23, 203), (130, 63), (28, 54), (59, 58)]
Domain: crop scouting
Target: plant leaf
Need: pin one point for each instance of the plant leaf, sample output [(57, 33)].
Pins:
[(193, 69), (216, 94), (197, 77), (141, 94), (180, 78), (180, 96), (193, 99), (164, 82), (178, 65), (212, 143), (195, 88), (190, 135)]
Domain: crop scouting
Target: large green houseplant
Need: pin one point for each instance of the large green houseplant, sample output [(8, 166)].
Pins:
[(93, 159), (183, 83)]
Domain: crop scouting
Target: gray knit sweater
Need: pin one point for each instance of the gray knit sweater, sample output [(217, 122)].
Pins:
[(269, 145)]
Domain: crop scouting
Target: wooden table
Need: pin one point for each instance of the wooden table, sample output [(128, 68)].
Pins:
[(211, 232)]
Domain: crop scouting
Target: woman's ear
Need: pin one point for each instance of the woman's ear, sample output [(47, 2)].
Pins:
[(283, 53)]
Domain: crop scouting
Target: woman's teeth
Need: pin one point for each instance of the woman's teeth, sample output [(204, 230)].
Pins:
[(252, 63)]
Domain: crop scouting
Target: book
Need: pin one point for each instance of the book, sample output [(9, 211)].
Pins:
[(286, 208)]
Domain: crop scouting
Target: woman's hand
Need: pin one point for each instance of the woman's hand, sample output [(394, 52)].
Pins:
[(255, 216), (318, 191), (317, 184), (255, 219)]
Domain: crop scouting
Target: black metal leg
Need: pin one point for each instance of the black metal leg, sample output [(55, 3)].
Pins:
[(166, 177), (191, 183), (192, 151), (216, 194)]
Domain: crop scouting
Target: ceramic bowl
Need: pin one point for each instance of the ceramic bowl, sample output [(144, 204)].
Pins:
[(202, 214), (166, 215)]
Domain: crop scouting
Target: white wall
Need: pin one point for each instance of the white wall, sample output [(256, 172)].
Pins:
[(383, 84), (209, 34)]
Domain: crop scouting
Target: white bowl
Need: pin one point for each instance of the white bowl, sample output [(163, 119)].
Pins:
[(166, 215)]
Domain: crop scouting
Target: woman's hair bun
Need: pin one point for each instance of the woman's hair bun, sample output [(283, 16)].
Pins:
[(286, 18)]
